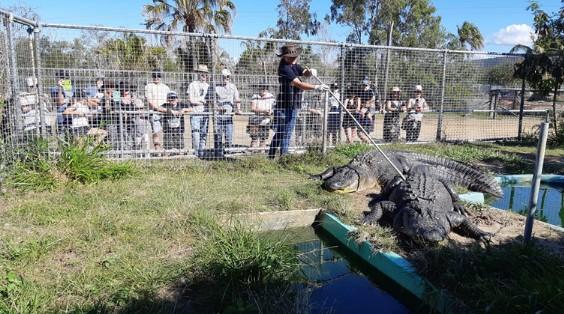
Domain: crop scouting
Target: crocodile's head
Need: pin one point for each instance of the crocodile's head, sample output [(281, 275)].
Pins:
[(348, 180)]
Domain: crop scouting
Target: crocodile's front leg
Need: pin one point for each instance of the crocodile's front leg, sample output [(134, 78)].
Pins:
[(377, 210), (461, 225)]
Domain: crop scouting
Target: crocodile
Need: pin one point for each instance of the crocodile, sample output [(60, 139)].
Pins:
[(422, 207), (371, 170)]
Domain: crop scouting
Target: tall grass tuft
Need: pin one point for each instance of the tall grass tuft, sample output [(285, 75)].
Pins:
[(33, 169), (82, 161), (85, 162), (233, 265)]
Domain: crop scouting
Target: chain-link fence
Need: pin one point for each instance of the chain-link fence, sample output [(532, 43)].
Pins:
[(153, 94)]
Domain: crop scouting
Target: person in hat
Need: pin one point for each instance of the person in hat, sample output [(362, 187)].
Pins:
[(228, 102), (289, 97), (173, 122), (412, 121), (260, 124), (394, 106), (155, 93), (197, 97)]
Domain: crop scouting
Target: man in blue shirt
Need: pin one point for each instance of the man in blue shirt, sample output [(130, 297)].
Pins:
[(289, 97)]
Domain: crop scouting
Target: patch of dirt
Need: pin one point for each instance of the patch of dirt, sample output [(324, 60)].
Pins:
[(507, 226)]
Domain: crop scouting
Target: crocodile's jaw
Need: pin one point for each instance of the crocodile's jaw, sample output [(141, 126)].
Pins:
[(344, 180)]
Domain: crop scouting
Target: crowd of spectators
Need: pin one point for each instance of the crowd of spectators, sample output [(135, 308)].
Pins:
[(111, 111)]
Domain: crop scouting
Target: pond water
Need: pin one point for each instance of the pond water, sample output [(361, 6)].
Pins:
[(341, 283), (550, 204)]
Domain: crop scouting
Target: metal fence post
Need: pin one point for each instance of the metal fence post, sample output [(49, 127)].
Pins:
[(15, 109), (342, 89), (521, 108), (217, 138), (324, 126), (536, 182), (441, 109), (39, 86)]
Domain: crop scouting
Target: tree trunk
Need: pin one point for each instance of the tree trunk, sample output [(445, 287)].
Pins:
[(554, 115)]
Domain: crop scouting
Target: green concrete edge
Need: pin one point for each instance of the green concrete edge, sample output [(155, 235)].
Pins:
[(391, 264)]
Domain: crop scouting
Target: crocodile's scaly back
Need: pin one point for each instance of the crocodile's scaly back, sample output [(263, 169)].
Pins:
[(456, 173)]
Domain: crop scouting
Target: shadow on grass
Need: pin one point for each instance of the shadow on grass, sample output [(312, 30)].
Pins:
[(504, 278)]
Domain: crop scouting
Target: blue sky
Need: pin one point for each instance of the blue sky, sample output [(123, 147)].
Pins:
[(503, 23)]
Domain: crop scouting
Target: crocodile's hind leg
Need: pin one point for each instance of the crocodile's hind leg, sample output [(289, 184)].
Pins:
[(324, 175), (377, 210), (461, 225)]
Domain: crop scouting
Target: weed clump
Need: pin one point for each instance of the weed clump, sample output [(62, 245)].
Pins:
[(36, 169), (237, 268)]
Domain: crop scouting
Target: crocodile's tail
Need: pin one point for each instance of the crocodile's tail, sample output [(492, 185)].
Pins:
[(458, 174)]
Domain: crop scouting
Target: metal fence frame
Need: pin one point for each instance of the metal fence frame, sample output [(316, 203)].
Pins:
[(35, 28)]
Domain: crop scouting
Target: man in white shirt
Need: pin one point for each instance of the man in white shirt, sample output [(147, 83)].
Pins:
[(227, 97), (197, 92), (155, 93)]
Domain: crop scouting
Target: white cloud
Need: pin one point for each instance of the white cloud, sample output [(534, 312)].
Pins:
[(514, 34)]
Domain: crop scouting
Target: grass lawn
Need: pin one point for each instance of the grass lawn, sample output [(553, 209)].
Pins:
[(106, 246)]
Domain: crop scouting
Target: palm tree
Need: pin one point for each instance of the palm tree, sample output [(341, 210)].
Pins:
[(469, 36), (209, 16), (194, 15)]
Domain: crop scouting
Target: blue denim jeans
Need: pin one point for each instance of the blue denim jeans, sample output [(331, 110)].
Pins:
[(224, 127), (284, 123), (199, 126)]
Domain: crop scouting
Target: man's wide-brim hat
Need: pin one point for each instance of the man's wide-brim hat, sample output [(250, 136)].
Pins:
[(289, 50), (202, 68)]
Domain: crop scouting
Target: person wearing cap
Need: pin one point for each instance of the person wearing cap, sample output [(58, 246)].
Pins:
[(412, 121), (173, 122), (289, 97), (392, 116), (367, 98), (334, 117), (227, 98), (259, 125), (155, 93), (197, 97)]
